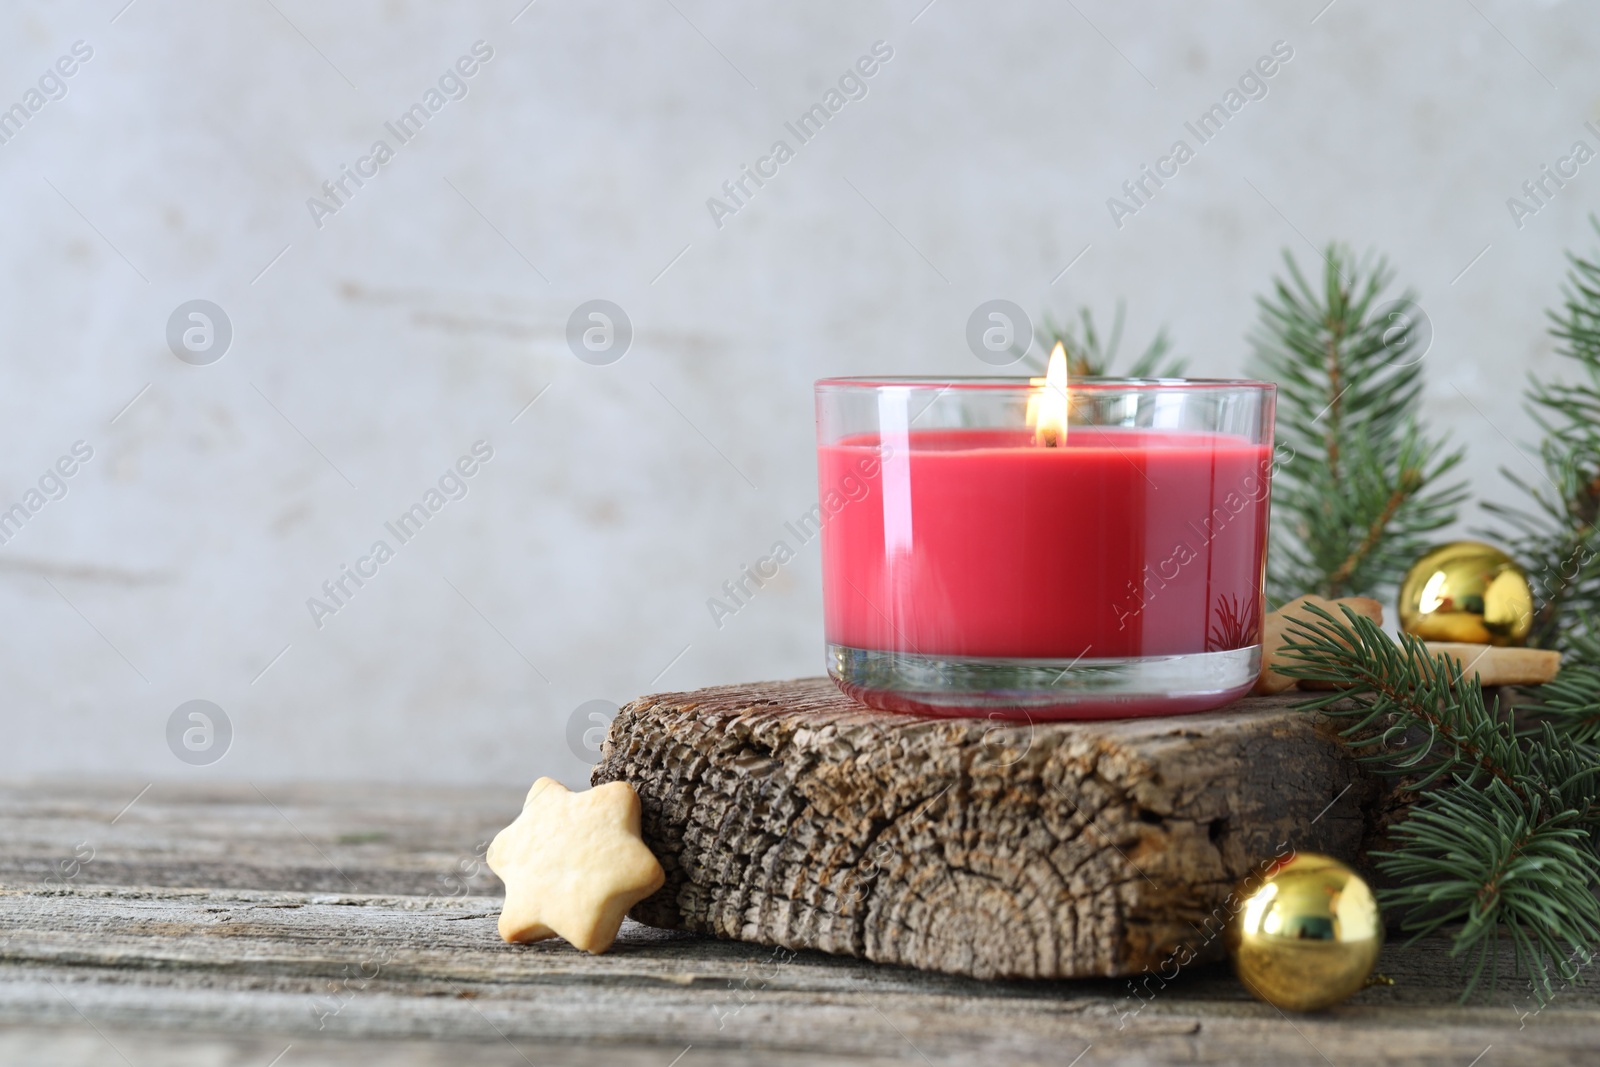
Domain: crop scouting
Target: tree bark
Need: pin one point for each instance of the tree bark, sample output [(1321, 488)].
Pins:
[(787, 814)]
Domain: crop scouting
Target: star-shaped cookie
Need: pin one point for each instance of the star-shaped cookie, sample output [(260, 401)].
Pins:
[(573, 864)]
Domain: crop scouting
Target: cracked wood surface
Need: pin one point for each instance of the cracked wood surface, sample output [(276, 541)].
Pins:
[(217, 925), (786, 814)]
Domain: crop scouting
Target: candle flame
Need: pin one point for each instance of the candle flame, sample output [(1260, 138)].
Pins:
[(1048, 404)]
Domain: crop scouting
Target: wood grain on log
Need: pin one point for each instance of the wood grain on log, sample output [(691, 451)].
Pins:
[(787, 814)]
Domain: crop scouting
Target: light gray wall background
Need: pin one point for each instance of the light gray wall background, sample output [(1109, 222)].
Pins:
[(432, 308)]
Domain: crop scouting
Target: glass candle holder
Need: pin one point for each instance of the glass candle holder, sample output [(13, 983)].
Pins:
[(1007, 546)]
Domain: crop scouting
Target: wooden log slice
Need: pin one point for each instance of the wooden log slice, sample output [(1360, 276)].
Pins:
[(787, 814)]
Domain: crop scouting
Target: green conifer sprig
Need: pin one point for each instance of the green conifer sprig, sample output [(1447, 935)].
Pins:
[(1409, 710), (1355, 502), (1091, 356), (1503, 838), (1494, 861), (1570, 702), (1558, 538)]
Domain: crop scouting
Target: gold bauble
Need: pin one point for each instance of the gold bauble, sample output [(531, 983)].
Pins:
[(1467, 591), (1308, 935)]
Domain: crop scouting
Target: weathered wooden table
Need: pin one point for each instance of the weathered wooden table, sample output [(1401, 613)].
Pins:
[(293, 925)]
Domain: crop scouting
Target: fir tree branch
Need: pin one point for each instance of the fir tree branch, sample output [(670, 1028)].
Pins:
[(1505, 842), (1089, 357), (1351, 522), (1569, 704), (1410, 481), (1494, 861), (1335, 389), (1415, 709), (1557, 538)]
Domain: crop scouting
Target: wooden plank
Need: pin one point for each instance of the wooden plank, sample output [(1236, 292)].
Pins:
[(92, 972), (320, 965), (346, 838), (786, 814), (114, 1047)]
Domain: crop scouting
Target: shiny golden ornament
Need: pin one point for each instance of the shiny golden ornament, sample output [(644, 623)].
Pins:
[(1308, 935), (1467, 591)]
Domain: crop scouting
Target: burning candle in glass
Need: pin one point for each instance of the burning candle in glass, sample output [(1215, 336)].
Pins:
[(1044, 548)]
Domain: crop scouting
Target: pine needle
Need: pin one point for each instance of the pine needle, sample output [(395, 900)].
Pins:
[(1091, 356), (1554, 533), (1354, 503), (1503, 839)]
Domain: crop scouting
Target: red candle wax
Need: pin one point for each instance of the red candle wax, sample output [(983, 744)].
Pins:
[(1121, 543)]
